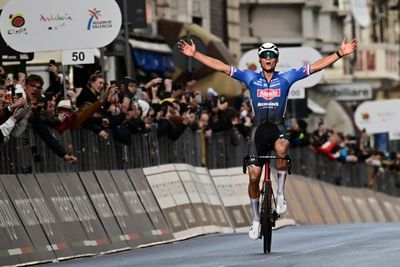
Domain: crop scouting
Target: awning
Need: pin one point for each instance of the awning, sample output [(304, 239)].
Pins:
[(315, 108), (149, 46), (153, 57)]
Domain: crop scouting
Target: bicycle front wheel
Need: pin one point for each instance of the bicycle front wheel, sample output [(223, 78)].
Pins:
[(266, 227)]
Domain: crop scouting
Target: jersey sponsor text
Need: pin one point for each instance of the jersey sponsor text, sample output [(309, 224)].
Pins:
[(269, 94)]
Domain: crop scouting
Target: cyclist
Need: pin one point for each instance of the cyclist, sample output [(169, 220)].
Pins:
[(268, 90)]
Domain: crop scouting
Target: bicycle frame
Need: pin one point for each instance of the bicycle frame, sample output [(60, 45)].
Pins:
[(268, 214)]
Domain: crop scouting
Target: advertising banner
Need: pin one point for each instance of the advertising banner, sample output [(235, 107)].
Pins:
[(128, 225), (181, 198), (209, 193), (40, 245), (66, 216), (240, 182), (104, 211), (389, 204), (233, 203), (9, 54), (319, 197), (378, 116), (86, 213), (349, 204), (173, 212), (149, 202), (46, 214), (15, 245), (48, 25), (193, 194), (135, 207)]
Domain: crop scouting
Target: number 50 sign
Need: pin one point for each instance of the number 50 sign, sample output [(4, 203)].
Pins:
[(77, 56)]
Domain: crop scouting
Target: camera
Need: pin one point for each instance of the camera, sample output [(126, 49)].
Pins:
[(187, 97)]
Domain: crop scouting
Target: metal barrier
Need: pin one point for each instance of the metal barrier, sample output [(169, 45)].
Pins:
[(29, 154)]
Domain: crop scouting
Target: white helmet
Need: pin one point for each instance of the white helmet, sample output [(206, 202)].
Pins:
[(268, 47)]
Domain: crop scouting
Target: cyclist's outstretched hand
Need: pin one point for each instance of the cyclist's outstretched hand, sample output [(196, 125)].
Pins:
[(186, 48), (348, 47)]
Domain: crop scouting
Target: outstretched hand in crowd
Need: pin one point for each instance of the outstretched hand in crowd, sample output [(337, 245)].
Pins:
[(70, 159)]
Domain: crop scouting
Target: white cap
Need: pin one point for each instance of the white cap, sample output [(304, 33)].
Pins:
[(64, 104), (144, 106)]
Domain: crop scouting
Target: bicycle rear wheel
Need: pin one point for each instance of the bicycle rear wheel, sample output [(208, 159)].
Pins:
[(266, 226)]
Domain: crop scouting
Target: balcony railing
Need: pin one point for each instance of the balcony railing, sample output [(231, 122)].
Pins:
[(378, 61)]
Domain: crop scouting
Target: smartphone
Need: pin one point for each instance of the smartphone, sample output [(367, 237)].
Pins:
[(199, 98), (113, 82)]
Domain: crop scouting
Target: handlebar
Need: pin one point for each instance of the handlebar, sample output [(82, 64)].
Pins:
[(247, 158)]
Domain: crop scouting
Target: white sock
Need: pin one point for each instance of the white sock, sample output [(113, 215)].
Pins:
[(281, 181), (255, 207)]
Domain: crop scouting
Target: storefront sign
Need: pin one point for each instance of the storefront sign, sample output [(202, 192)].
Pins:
[(348, 92)]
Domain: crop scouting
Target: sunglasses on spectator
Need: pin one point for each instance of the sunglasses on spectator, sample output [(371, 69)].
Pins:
[(268, 54)]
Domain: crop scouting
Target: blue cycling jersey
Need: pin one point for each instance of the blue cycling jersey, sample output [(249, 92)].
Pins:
[(269, 100)]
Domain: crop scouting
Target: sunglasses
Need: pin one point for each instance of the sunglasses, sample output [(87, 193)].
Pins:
[(268, 54)]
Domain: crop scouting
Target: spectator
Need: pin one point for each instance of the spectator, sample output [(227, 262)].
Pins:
[(3, 92), (222, 115), (26, 102), (375, 169), (364, 146), (298, 135), (320, 135), (205, 133), (3, 74), (8, 127), (330, 147), (56, 86), (90, 101)]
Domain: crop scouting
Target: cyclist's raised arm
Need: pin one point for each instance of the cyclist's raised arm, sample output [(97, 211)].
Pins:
[(346, 49), (190, 51)]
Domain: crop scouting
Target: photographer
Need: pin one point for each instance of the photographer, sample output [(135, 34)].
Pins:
[(56, 86), (19, 111), (221, 118), (90, 102)]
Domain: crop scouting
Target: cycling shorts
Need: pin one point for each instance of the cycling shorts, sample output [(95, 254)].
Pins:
[(263, 138)]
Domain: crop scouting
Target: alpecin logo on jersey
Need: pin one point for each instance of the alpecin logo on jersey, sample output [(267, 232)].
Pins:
[(269, 94)]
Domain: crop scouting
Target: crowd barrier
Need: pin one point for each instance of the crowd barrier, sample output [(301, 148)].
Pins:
[(47, 217), (29, 154)]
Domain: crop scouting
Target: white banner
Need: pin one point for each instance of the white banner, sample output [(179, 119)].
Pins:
[(289, 58), (378, 116), (49, 25)]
